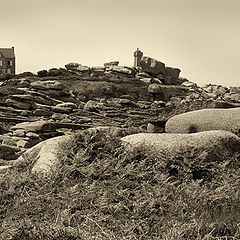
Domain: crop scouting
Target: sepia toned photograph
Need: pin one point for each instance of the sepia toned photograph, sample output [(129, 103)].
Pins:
[(119, 120)]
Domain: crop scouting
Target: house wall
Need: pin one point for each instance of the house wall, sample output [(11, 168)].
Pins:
[(4, 68)]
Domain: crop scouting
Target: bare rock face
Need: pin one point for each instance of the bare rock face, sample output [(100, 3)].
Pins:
[(150, 65), (46, 156), (165, 92), (212, 143), (205, 120)]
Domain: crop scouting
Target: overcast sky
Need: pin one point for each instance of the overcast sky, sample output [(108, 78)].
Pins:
[(201, 37)]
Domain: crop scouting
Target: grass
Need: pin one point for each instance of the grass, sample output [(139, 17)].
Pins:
[(104, 191)]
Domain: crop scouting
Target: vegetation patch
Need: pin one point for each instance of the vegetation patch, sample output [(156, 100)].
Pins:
[(104, 191)]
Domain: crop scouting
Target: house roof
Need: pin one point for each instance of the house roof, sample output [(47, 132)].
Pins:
[(7, 52)]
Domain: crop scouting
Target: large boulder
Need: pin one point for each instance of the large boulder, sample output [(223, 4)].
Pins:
[(37, 126), (165, 92), (209, 144), (205, 120), (150, 65), (46, 156)]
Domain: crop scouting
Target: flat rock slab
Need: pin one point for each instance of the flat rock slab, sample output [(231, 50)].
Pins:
[(205, 120), (37, 126), (46, 156), (213, 143)]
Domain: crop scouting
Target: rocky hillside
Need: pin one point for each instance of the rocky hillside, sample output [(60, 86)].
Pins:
[(109, 130), (79, 97)]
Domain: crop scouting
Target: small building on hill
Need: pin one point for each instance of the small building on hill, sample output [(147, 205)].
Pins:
[(7, 60)]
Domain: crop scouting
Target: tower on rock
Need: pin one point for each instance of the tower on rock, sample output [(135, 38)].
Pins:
[(137, 57)]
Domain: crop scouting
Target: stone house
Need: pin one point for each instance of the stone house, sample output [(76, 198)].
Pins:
[(7, 60)]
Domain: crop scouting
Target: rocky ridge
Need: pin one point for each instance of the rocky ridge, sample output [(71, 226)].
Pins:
[(59, 101)]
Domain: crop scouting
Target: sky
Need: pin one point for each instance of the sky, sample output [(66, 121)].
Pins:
[(201, 37)]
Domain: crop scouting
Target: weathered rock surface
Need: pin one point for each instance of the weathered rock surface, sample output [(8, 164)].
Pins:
[(205, 120), (37, 126), (42, 85), (212, 143), (46, 156), (173, 72), (150, 65)]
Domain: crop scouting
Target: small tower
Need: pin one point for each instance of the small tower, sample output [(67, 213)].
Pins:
[(137, 57)]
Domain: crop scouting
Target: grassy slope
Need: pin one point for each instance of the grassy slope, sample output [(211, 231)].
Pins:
[(105, 192)]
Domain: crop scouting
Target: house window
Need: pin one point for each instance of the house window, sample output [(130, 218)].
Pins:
[(9, 62), (8, 70), (1, 63)]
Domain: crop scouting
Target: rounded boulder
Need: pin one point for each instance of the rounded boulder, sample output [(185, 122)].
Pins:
[(205, 120), (214, 144)]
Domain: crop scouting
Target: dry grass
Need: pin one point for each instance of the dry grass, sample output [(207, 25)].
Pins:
[(105, 192)]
